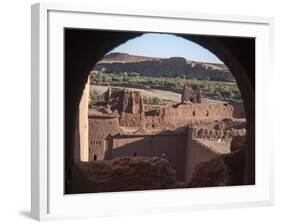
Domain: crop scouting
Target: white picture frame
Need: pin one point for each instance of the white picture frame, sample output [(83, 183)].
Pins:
[(48, 200)]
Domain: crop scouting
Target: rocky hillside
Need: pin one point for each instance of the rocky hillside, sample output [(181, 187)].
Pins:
[(169, 67), (124, 58)]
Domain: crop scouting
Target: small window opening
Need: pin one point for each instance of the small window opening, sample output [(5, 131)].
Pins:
[(95, 157)]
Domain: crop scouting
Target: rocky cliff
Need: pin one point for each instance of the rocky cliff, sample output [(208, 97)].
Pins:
[(169, 67)]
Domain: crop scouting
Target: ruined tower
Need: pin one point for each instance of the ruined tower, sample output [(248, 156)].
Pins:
[(191, 94), (131, 102)]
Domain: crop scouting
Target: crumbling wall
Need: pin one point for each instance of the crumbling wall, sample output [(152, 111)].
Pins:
[(178, 116), (99, 129), (218, 111), (213, 134), (131, 120)]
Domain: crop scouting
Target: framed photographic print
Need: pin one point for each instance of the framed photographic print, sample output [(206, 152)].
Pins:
[(148, 111)]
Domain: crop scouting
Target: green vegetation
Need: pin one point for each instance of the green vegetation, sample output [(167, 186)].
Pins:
[(227, 91), (93, 96), (154, 101)]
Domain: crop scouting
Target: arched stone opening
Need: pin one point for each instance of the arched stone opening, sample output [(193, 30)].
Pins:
[(84, 48)]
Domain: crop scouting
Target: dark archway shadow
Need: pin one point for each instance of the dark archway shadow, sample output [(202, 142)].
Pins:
[(84, 48)]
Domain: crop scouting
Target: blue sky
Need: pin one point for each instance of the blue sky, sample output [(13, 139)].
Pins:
[(165, 46)]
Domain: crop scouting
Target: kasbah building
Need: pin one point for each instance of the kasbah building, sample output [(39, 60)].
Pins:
[(121, 124)]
